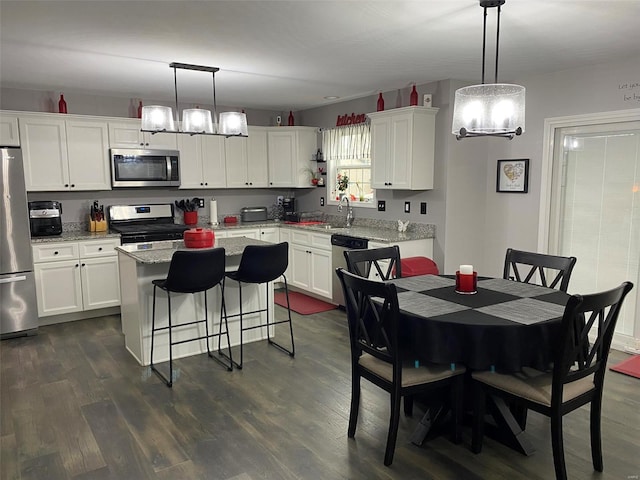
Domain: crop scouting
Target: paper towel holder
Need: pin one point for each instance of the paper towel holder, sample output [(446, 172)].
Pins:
[(213, 212)]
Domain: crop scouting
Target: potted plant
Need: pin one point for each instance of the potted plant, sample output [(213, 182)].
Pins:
[(342, 183), (314, 177)]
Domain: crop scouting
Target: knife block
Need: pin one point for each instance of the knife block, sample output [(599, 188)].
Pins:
[(97, 226)]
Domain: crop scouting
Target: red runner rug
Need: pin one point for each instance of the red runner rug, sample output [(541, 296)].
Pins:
[(302, 304), (631, 367)]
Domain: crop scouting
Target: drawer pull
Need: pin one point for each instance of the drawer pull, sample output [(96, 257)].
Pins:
[(55, 253), (99, 249)]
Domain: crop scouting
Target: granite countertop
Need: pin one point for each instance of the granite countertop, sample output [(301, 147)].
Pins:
[(371, 233), (71, 236), (374, 230), (161, 252), (379, 231)]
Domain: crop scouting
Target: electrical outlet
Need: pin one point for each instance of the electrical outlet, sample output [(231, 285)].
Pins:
[(322, 201), (201, 203), (423, 208), (407, 207), (382, 205)]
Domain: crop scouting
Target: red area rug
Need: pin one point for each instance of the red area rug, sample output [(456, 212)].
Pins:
[(631, 367), (302, 304)]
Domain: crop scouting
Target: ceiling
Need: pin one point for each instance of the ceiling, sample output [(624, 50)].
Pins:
[(289, 55)]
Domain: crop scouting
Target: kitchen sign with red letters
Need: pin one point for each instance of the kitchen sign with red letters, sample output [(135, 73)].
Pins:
[(352, 119)]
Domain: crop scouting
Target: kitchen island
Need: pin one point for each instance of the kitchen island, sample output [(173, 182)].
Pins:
[(139, 264)]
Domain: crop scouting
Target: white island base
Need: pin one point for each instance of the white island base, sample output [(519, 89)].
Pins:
[(138, 269)]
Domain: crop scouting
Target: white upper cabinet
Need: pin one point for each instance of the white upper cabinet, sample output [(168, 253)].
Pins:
[(127, 134), (62, 154), (9, 136), (202, 161), (247, 162), (88, 152), (290, 153), (403, 148)]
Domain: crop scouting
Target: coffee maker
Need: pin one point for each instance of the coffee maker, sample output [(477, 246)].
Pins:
[(289, 206), (45, 218)]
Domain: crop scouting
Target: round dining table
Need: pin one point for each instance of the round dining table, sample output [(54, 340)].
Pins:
[(506, 325)]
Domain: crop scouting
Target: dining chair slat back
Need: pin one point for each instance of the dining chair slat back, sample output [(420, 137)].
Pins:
[(577, 377), (523, 266), (375, 263), (373, 319)]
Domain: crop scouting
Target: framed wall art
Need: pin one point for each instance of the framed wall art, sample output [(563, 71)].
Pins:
[(513, 176)]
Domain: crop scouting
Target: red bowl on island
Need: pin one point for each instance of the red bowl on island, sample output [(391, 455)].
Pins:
[(198, 238)]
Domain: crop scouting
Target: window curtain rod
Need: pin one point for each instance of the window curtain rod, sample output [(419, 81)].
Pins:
[(367, 122)]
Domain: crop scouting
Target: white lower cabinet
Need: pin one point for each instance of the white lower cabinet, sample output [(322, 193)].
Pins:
[(310, 262), (269, 235), (76, 276), (246, 232)]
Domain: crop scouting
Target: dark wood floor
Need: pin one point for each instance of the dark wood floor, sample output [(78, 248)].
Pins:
[(76, 405)]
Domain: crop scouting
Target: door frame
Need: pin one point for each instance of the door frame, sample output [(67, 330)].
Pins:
[(551, 125)]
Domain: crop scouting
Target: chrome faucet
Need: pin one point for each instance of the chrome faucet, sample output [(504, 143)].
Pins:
[(349, 210)]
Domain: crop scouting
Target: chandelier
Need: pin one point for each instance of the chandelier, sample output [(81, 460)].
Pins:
[(195, 121), (490, 109)]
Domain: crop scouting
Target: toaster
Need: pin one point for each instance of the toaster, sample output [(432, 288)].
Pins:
[(253, 214)]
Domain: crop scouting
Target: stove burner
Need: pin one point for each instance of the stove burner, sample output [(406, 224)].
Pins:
[(148, 223)]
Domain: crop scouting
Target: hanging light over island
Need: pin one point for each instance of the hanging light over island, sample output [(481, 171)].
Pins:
[(195, 121)]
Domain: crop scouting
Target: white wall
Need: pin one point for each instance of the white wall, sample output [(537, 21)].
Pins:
[(82, 103), (511, 220)]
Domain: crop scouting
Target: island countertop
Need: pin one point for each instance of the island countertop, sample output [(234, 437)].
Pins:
[(161, 252)]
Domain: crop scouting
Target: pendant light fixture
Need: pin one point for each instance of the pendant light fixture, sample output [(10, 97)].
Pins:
[(490, 109), (195, 121)]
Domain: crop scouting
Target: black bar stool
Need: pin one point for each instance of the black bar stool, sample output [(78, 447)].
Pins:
[(263, 264), (192, 271)]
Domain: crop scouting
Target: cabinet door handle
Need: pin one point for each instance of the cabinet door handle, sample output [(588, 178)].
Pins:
[(55, 253), (99, 249), (83, 264), (66, 185), (206, 183), (77, 265), (73, 185)]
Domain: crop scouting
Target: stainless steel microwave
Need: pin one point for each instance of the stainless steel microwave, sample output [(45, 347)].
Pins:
[(145, 168)]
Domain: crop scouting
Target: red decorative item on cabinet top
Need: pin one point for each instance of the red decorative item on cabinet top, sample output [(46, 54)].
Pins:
[(140, 109), (380, 106), (62, 105), (413, 99), (291, 118)]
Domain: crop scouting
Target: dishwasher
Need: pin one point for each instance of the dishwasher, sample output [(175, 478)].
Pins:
[(340, 243)]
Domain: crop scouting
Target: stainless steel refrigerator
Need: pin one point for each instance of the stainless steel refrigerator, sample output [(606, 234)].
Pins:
[(18, 307)]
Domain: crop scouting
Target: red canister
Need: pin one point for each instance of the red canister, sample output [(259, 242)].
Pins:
[(199, 238)]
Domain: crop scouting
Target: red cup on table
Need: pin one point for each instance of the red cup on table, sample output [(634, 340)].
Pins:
[(466, 280)]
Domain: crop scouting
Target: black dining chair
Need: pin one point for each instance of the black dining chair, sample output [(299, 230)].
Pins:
[(375, 263), (263, 264), (522, 266), (372, 314), (192, 271), (577, 377)]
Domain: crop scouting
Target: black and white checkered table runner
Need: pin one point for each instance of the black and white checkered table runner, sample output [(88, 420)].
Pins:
[(432, 296)]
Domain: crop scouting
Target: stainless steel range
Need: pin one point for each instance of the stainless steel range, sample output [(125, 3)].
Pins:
[(145, 223)]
